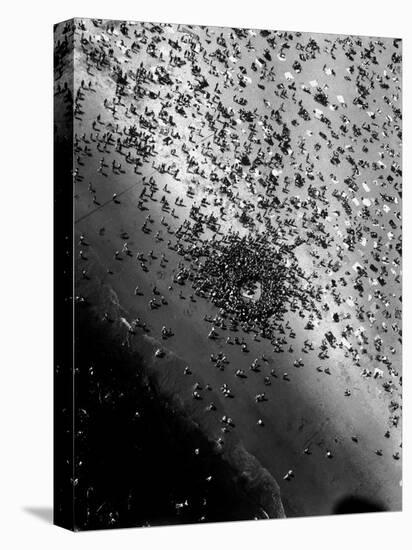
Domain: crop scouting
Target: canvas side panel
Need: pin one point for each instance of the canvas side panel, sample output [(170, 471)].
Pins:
[(64, 478)]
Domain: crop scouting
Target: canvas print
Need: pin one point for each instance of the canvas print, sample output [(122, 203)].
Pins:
[(228, 256)]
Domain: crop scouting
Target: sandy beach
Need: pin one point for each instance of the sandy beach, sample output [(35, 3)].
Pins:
[(326, 415)]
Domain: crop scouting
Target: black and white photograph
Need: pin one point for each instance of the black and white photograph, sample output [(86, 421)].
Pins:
[(237, 272), (205, 234)]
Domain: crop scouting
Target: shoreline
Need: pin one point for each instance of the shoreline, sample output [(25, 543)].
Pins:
[(240, 479)]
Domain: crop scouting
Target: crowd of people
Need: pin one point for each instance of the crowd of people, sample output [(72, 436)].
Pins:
[(270, 164)]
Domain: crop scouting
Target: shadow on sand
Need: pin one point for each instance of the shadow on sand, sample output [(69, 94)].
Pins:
[(357, 505)]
